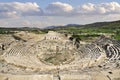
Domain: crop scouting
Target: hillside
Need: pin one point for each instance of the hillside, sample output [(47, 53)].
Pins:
[(113, 24), (92, 30), (85, 32)]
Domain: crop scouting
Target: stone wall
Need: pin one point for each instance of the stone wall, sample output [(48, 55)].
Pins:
[(92, 76), (51, 35)]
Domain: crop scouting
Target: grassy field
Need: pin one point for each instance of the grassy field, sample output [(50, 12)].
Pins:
[(84, 32), (90, 31)]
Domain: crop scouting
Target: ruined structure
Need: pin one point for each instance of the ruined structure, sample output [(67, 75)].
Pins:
[(53, 55)]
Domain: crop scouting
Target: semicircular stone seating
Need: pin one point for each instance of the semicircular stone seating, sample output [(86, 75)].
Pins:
[(111, 47), (89, 52), (22, 55), (25, 53)]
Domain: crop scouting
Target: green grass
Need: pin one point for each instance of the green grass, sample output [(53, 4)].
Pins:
[(117, 37), (87, 31)]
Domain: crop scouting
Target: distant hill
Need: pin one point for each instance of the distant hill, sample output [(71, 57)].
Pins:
[(113, 24), (84, 32), (68, 25), (111, 29)]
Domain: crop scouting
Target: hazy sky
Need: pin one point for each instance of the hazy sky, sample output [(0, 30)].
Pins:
[(42, 13)]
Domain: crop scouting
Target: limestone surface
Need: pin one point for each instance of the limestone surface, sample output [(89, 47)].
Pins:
[(54, 56)]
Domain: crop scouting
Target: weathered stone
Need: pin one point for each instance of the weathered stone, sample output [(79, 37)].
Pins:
[(52, 56)]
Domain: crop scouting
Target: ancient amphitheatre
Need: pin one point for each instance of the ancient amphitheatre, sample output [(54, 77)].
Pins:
[(54, 56)]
